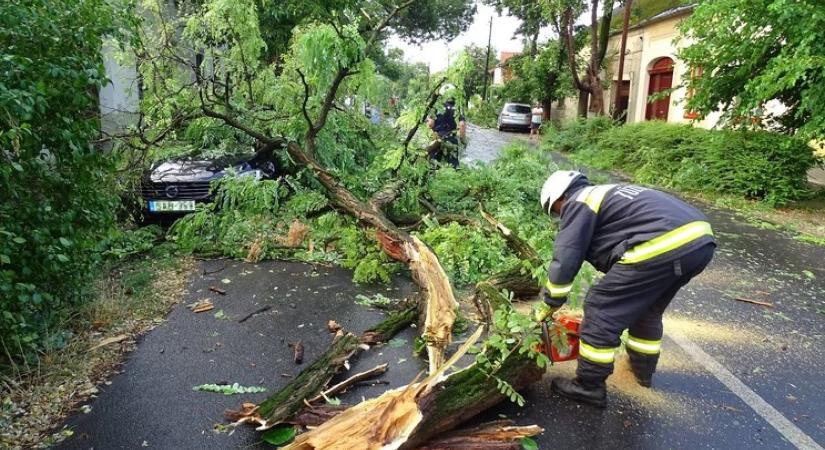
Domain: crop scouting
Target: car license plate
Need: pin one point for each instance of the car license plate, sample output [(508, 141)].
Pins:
[(171, 206)]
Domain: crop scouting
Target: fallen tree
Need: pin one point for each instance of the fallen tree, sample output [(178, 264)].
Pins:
[(304, 124)]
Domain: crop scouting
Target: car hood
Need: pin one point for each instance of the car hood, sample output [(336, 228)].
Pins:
[(192, 170)]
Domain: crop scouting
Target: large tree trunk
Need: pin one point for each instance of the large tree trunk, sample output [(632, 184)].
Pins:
[(597, 94), (584, 99), (406, 418), (309, 383)]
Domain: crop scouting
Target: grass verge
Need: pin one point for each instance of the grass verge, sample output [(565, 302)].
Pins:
[(132, 298), (801, 218)]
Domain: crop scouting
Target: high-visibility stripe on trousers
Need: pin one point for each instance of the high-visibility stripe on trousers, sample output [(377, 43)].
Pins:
[(646, 346), (597, 355)]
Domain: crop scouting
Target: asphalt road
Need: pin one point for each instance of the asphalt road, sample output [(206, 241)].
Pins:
[(732, 375)]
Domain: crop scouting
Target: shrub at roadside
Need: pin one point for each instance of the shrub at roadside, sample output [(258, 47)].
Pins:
[(577, 135), (752, 164), (56, 191), (484, 114)]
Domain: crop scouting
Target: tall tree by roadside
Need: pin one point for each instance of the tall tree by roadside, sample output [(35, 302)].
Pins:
[(745, 53), (563, 14), (545, 75), (428, 20), (474, 79), (532, 16)]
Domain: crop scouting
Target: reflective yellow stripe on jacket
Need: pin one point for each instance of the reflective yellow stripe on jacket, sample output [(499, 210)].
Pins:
[(592, 196), (667, 242), (558, 290)]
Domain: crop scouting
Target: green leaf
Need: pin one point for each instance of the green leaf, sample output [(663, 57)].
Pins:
[(809, 274), (334, 401), (221, 315), (227, 389), (397, 343), (279, 435), (65, 242), (62, 258), (19, 240), (528, 444)]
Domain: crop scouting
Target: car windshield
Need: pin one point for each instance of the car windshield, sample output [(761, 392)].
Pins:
[(520, 109)]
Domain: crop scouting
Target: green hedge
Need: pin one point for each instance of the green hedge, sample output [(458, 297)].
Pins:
[(57, 197), (752, 164)]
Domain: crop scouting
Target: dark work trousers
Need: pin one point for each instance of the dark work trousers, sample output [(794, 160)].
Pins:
[(634, 297), (448, 155)]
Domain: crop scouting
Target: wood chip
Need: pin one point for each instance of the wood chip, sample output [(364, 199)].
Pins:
[(298, 352), (202, 306), (333, 326), (111, 340), (217, 290)]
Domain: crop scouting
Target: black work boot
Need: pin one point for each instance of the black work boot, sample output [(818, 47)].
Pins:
[(643, 367), (585, 391)]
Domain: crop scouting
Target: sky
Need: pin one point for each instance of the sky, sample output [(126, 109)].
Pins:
[(435, 53)]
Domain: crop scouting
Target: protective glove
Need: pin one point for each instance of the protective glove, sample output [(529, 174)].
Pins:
[(543, 311)]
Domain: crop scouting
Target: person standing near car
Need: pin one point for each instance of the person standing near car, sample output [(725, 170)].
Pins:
[(449, 134), (535, 122)]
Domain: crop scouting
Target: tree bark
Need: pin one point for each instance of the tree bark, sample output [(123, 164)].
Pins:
[(310, 382), (499, 435), (584, 99), (465, 394)]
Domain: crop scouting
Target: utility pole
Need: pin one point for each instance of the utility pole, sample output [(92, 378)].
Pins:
[(627, 5), (487, 60)]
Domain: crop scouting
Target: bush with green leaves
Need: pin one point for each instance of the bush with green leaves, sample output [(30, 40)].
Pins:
[(577, 135), (485, 113), (753, 164), (57, 192)]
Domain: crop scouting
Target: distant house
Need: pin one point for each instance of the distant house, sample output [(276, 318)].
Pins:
[(502, 72), (651, 66)]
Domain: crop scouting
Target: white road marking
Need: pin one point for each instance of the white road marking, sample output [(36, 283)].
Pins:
[(785, 427)]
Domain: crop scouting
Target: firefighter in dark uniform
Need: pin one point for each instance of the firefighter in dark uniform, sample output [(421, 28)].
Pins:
[(449, 133), (647, 243)]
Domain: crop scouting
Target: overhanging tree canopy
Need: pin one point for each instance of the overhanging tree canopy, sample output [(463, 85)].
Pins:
[(746, 53)]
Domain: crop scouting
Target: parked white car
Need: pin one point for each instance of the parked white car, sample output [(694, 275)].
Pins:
[(515, 115)]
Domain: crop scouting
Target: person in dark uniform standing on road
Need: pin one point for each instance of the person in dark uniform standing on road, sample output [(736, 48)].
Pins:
[(449, 133), (648, 243)]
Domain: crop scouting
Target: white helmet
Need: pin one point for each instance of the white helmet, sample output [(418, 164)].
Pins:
[(555, 186)]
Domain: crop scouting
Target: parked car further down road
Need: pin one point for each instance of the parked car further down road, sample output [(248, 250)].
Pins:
[(176, 186), (515, 115)]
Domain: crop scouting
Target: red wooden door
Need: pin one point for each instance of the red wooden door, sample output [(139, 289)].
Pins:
[(661, 79)]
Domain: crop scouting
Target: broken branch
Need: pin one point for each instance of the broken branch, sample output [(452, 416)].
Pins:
[(755, 302), (361, 376)]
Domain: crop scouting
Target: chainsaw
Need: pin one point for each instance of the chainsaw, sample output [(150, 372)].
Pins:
[(564, 327)]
